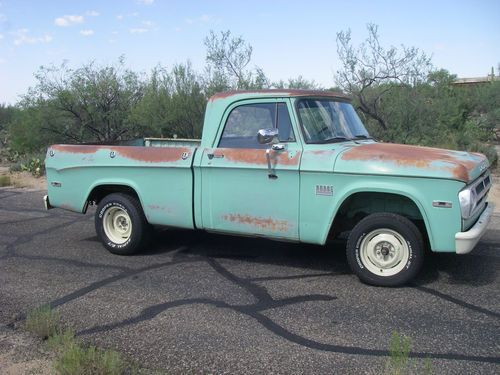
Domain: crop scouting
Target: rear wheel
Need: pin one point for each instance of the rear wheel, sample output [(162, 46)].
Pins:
[(121, 225), (385, 249)]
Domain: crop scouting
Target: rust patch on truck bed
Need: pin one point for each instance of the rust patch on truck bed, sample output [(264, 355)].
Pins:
[(75, 149), (145, 154), (414, 156), (262, 223), (258, 156), (152, 154)]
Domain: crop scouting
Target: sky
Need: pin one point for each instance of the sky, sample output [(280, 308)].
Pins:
[(289, 38)]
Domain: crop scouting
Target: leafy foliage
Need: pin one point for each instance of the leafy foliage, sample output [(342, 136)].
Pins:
[(6, 115), (173, 103), (91, 102)]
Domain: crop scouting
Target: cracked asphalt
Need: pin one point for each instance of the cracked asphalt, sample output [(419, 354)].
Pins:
[(197, 302)]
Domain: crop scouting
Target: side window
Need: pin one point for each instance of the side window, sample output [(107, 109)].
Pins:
[(243, 123)]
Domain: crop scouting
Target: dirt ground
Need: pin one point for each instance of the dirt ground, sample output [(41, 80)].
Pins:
[(494, 195), (21, 353), (24, 179)]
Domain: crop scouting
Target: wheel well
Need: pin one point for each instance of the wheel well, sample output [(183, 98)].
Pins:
[(359, 205), (99, 192)]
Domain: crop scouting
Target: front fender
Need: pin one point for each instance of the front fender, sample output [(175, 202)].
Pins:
[(318, 211)]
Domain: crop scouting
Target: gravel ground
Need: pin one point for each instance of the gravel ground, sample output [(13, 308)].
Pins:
[(197, 302)]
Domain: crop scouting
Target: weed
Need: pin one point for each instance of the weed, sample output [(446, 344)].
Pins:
[(79, 360), (399, 362), (62, 341), (399, 351), (43, 322), (72, 358)]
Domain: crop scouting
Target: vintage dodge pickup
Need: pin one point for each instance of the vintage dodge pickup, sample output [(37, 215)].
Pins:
[(290, 165)]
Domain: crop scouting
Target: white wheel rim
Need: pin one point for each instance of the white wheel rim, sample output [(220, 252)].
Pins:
[(384, 252), (117, 225)]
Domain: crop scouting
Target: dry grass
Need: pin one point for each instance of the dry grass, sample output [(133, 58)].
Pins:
[(4, 181), (71, 356)]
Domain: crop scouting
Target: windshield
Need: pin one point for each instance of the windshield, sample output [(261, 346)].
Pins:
[(326, 120)]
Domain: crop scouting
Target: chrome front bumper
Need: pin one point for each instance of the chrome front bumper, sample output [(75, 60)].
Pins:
[(465, 241)]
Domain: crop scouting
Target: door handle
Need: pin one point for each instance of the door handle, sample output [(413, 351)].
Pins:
[(278, 147), (270, 172), (216, 156)]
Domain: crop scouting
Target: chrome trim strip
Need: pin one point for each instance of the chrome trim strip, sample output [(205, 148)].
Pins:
[(442, 204)]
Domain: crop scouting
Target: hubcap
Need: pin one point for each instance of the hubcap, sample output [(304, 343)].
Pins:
[(117, 225), (384, 252)]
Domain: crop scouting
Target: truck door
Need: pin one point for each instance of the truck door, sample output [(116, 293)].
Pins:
[(248, 187)]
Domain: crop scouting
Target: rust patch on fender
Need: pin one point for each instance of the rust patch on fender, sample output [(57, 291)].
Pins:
[(258, 156), (460, 172), (413, 156), (145, 154), (278, 92), (322, 152), (262, 223)]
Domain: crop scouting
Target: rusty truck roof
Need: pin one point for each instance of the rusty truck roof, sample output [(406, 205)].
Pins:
[(280, 92)]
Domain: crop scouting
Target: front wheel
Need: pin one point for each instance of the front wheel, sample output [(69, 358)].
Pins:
[(121, 225), (385, 249)]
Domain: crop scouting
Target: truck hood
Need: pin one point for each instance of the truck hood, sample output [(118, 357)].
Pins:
[(411, 161)]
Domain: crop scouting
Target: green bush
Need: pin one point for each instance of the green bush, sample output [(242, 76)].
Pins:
[(489, 151), (33, 163), (35, 166)]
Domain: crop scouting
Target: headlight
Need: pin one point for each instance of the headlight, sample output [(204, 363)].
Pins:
[(467, 201)]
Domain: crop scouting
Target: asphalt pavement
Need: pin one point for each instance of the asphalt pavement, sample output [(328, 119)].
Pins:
[(197, 302)]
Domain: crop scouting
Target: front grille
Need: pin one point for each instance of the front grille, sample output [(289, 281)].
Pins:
[(481, 188)]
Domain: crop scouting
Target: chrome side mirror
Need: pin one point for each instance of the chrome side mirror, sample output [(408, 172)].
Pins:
[(265, 136)]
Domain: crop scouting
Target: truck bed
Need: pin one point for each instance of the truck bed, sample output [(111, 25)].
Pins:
[(74, 172)]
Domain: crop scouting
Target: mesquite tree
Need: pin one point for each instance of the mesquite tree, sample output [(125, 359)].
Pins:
[(369, 71)]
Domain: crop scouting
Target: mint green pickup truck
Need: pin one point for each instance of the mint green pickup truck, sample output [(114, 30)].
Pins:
[(289, 165)]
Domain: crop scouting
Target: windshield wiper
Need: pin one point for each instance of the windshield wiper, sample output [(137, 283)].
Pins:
[(362, 136), (335, 139)]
